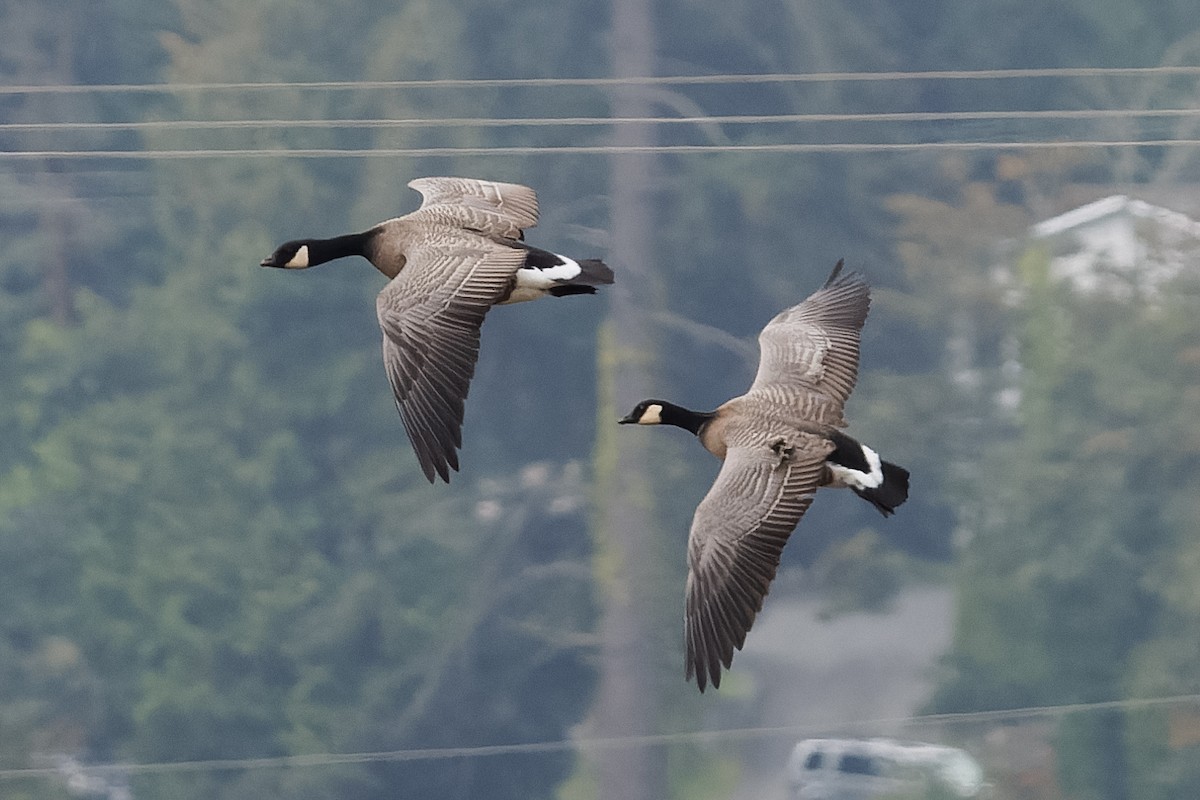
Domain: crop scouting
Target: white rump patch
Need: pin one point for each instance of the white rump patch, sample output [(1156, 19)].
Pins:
[(860, 480), (300, 260), (545, 278)]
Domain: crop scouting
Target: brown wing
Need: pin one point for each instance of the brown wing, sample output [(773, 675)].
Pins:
[(814, 345), (430, 315), (502, 209), (737, 536)]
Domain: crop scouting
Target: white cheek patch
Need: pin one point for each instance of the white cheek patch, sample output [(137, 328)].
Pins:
[(652, 415), (300, 260)]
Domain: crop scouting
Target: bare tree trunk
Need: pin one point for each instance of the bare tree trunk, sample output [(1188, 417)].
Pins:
[(56, 279), (628, 698), (57, 194)]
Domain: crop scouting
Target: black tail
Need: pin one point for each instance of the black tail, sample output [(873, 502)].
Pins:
[(890, 494), (594, 272)]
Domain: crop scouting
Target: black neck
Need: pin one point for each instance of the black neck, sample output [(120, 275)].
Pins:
[(352, 244), (685, 418)]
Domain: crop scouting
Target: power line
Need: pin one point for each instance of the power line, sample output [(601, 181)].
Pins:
[(585, 745), (682, 149), (675, 80), (481, 122)]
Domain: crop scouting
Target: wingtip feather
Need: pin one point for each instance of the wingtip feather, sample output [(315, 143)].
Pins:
[(837, 269)]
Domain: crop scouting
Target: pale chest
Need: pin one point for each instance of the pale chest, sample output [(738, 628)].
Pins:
[(742, 425)]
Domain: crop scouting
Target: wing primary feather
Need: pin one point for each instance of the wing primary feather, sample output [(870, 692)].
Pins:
[(731, 569), (837, 268)]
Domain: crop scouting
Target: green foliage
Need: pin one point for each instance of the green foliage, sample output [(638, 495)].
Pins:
[(215, 539), (702, 774), (242, 585), (214, 542), (1079, 532), (858, 573)]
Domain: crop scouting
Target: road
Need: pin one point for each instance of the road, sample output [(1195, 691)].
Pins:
[(826, 676)]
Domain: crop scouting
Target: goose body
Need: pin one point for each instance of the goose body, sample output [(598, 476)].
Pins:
[(447, 264), (779, 442)]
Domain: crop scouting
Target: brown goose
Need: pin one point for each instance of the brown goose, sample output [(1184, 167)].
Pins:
[(448, 263), (780, 443)]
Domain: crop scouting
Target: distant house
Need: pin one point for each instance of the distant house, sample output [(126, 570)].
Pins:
[(1119, 246)]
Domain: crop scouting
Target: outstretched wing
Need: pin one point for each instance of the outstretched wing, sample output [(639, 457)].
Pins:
[(501, 209), (430, 315), (737, 536), (815, 344)]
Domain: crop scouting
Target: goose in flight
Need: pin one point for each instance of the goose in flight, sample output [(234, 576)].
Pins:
[(447, 263), (779, 443)]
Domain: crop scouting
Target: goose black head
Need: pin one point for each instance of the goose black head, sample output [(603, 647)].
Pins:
[(647, 412), (290, 255)]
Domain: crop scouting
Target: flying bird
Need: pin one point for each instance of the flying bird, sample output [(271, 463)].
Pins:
[(447, 263), (780, 442)]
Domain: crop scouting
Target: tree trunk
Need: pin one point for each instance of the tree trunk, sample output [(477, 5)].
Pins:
[(628, 697), (56, 279)]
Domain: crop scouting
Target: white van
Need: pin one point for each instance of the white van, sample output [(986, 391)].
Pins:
[(865, 769)]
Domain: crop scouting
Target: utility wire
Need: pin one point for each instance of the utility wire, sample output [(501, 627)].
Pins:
[(493, 122), (439, 152), (651, 740), (669, 80)]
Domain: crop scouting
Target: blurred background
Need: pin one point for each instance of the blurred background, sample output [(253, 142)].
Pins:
[(224, 577)]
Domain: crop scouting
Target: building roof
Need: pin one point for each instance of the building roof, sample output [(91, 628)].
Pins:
[(1119, 246), (1115, 205)]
